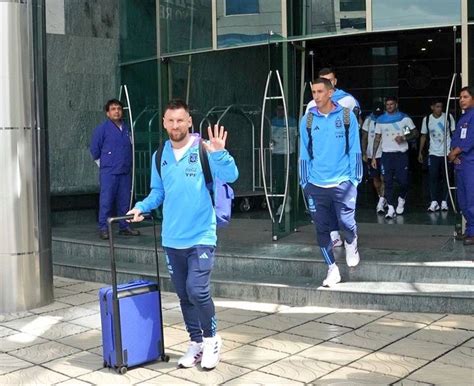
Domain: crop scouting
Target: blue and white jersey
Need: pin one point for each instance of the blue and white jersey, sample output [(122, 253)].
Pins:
[(391, 126), (189, 218), (341, 98), (279, 134), (369, 127), (330, 165), (438, 134)]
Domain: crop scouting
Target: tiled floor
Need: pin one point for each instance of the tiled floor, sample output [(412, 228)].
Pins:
[(263, 344)]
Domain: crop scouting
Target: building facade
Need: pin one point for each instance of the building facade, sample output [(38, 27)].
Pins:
[(236, 63)]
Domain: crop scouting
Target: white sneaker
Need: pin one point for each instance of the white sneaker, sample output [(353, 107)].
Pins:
[(333, 276), (433, 206), (192, 356), (336, 239), (381, 205), (444, 206), (210, 352), (352, 253), (390, 212), (401, 205)]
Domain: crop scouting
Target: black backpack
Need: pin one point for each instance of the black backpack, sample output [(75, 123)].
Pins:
[(309, 124)]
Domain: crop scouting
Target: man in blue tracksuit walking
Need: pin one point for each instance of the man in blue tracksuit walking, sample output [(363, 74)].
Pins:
[(343, 99), (330, 170), (462, 155), (111, 148), (189, 224)]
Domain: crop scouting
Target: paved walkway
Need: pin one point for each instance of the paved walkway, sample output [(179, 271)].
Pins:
[(263, 344)]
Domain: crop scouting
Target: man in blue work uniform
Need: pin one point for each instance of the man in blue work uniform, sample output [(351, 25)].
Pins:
[(343, 99), (330, 170), (111, 148), (462, 155), (189, 224), (394, 129)]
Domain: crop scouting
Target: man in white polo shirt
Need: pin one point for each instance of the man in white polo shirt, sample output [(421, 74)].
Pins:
[(439, 146), (394, 129)]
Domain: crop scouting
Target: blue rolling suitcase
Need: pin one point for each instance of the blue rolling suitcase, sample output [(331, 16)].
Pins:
[(132, 323)]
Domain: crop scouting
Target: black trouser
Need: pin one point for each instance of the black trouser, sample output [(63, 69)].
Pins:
[(437, 172)]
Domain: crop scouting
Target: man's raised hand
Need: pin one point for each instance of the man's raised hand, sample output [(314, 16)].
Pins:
[(216, 139)]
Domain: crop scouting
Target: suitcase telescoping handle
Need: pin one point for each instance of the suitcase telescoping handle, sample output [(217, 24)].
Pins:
[(115, 302), (113, 266)]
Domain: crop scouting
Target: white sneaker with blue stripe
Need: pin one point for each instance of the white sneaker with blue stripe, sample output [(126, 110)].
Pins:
[(211, 352), (193, 356)]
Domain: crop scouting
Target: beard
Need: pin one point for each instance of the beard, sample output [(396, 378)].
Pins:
[(177, 136)]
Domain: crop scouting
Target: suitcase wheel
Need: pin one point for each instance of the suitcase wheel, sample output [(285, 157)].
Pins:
[(122, 370), (165, 358)]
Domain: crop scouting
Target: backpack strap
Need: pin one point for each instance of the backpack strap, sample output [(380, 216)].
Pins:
[(347, 123), (309, 124), (428, 123), (206, 169), (159, 155)]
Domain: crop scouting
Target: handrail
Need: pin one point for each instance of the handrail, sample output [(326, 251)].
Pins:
[(265, 189), (450, 188)]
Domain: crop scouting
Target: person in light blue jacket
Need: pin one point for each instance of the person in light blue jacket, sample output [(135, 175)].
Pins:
[(330, 170), (189, 224)]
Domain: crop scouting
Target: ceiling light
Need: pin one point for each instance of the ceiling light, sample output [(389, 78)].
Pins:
[(423, 49), (430, 40)]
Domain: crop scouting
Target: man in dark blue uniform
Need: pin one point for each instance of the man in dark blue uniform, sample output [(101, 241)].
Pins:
[(111, 148), (462, 155)]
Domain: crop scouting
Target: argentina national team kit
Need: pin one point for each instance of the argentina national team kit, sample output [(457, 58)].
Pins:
[(330, 176), (394, 155), (189, 228), (439, 145)]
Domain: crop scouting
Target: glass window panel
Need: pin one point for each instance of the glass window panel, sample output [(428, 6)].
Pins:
[(185, 25), (328, 16), (471, 54), (355, 23), (389, 14), (244, 29), (137, 30), (470, 8), (352, 5), (241, 7)]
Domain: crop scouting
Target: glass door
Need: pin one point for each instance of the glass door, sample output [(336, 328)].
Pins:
[(279, 138)]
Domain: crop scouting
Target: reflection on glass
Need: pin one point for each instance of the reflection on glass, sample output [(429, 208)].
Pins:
[(389, 14), (470, 10), (137, 30), (242, 7), (247, 21), (185, 25), (338, 16), (471, 54)]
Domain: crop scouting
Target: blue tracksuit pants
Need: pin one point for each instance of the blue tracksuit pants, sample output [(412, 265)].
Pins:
[(327, 203), (190, 271), (114, 198), (437, 173), (465, 187), (395, 165)]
